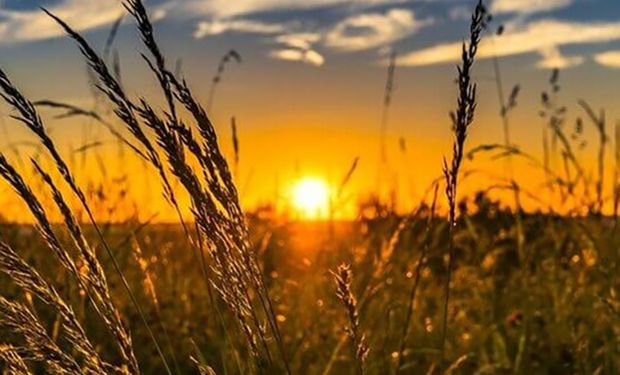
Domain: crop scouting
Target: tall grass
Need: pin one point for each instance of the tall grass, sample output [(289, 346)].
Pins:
[(216, 209), (462, 118), (388, 92), (421, 262), (343, 277), (600, 124), (230, 56), (94, 282)]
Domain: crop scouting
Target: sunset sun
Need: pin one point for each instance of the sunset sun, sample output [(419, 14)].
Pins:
[(310, 198)]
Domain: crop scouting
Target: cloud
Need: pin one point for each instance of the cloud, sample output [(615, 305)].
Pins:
[(217, 27), (299, 47), (553, 58), (30, 25), (229, 8), (354, 33), (534, 37), (299, 40), (370, 30), (527, 6), (306, 56), (610, 59)]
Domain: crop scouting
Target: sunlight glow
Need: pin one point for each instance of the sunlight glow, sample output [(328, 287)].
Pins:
[(310, 198)]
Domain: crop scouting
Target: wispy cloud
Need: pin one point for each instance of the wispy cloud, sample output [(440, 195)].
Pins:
[(370, 30), (229, 8), (299, 47), (354, 33), (609, 59), (295, 38), (540, 36), (527, 6), (299, 40), (217, 27), (30, 25), (553, 58), (292, 54), (82, 15)]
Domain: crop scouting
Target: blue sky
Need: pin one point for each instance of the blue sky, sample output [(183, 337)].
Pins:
[(312, 31), (309, 90)]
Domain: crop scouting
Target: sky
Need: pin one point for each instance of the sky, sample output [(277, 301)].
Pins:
[(308, 93)]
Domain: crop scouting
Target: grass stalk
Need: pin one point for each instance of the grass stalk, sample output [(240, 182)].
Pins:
[(416, 281), (29, 116), (343, 278), (462, 118)]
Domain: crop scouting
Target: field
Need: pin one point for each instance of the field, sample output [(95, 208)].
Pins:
[(461, 284), (550, 310)]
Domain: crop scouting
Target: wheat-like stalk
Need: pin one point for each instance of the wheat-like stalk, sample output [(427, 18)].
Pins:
[(39, 346), (123, 107), (462, 118), (215, 203), (93, 282), (235, 144), (387, 101), (71, 110), (601, 127), (31, 281), (343, 278), (96, 279), (28, 115), (203, 369), (229, 56), (229, 264), (14, 363)]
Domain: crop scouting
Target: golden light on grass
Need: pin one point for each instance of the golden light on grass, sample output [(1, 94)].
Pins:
[(310, 198)]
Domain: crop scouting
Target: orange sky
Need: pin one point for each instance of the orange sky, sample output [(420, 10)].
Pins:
[(297, 120)]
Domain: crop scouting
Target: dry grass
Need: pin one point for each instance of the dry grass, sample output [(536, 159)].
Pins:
[(343, 277), (462, 118)]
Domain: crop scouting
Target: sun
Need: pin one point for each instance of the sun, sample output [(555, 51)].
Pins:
[(310, 198)]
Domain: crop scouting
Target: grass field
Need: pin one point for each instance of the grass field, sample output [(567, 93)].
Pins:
[(459, 285), (552, 309)]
